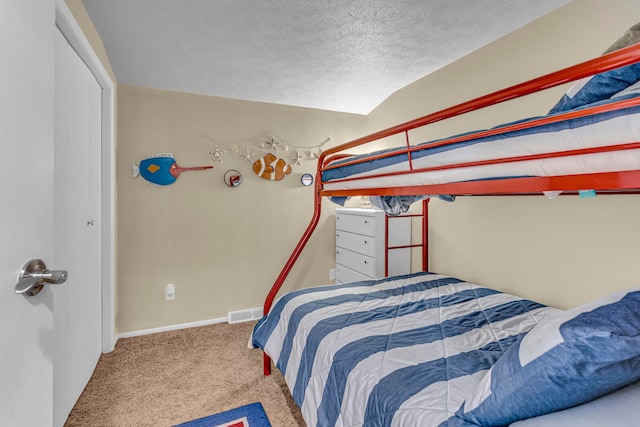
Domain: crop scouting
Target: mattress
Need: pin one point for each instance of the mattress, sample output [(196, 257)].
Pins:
[(605, 129), (402, 350), (617, 409)]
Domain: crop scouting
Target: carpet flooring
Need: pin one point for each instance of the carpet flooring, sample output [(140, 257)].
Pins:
[(172, 377)]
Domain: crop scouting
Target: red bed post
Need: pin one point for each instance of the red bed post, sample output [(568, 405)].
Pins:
[(425, 234), (294, 256)]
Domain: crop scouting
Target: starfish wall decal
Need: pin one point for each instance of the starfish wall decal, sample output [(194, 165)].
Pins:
[(297, 159), (247, 157), (216, 155), (272, 143)]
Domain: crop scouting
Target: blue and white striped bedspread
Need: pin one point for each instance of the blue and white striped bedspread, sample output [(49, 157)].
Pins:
[(398, 351)]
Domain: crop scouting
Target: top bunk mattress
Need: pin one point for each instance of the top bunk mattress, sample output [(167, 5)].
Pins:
[(511, 150)]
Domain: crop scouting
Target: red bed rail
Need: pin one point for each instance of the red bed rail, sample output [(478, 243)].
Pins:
[(601, 181)]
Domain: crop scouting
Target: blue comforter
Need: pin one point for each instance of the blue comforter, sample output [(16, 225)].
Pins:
[(397, 351)]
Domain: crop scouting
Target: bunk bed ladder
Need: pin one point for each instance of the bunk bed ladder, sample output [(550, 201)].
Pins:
[(424, 244)]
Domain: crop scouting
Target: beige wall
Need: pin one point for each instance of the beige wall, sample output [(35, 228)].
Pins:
[(563, 251), (222, 247)]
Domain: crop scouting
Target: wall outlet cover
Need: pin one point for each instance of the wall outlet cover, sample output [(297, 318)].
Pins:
[(170, 292)]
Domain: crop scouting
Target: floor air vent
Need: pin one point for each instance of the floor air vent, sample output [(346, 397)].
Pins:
[(244, 315)]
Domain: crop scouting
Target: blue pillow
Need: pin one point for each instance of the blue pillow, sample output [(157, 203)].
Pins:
[(598, 88), (569, 359)]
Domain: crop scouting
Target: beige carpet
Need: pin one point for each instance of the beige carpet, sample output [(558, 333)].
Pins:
[(172, 377)]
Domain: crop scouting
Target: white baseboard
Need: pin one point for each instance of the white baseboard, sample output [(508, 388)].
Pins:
[(171, 328)]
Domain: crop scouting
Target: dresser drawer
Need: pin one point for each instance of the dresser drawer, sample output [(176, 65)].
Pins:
[(355, 261), (346, 275), (360, 244), (359, 224), (365, 245)]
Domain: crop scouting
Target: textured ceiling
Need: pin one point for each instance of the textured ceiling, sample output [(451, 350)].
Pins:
[(335, 54)]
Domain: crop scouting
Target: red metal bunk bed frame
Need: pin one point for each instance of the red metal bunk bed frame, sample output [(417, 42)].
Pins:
[(608, 182)]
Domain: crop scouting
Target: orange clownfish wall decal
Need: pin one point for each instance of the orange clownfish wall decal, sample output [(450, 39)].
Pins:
[(272, 168)]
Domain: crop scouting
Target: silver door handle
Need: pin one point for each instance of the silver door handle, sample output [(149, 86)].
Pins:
[(34, 275)]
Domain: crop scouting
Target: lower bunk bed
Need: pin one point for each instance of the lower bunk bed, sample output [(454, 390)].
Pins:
[(430, 350)]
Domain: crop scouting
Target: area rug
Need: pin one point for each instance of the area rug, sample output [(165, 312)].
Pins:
[(245, 416)]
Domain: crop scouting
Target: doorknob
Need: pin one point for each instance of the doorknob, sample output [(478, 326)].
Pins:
[(34, 275)]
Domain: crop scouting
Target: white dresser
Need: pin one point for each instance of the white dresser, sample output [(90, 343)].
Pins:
[(360, 244)]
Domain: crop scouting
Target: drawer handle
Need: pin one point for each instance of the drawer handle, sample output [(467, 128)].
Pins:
[(366, 262), (366, 242), (366, 221)]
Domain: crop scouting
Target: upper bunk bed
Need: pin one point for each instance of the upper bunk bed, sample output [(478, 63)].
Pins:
[(589, 141)]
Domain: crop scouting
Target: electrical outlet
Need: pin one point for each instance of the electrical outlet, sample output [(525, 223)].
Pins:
[(332, 274), (170, 292)]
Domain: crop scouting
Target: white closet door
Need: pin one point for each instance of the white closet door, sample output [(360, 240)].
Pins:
[(77, 306)]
